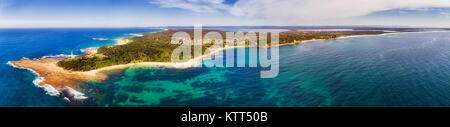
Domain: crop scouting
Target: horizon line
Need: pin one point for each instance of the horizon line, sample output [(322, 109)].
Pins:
[(164, 26)]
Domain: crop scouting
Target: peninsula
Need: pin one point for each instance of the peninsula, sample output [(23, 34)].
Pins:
[(149, 49)]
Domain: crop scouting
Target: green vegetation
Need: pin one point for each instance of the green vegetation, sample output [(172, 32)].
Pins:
[(152, 47), (156, 47), (294, 35)]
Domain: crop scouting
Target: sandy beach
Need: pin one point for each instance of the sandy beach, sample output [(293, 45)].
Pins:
[(91, 51), (122, 41)]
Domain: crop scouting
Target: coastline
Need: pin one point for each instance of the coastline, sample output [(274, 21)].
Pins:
[(53, 79), (50, 90), (118, 41), (68, 91), (195, 61), (49, 75)]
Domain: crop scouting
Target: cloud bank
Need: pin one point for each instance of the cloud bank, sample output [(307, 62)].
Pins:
[(193, 5), (301, 9)]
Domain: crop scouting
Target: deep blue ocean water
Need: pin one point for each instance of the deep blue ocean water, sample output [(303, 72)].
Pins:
[(410, 69)]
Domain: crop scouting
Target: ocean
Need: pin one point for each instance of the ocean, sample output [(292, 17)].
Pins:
[(392, 70)]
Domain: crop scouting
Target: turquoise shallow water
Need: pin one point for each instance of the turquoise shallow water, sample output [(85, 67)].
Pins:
[(391, 70)]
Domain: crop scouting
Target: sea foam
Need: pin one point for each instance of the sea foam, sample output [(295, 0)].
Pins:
[(50, 90), (58, 56), (76, 94), (100, 39)]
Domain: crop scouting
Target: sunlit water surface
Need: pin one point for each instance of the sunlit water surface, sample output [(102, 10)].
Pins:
[(389, 70)]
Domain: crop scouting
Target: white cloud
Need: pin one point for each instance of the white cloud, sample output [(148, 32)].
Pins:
[(327, 9), (302, 9), (194, 5)]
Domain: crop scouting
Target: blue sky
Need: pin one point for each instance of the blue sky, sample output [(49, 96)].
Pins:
[(142, 13)]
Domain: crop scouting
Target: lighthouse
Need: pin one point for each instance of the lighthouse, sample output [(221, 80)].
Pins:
[(71, 55)]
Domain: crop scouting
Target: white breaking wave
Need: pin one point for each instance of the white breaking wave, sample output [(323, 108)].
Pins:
[(75, 94), (67, 99), (136, 35), (100, 39), (12, 65), (58, 56), (50, 90)]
